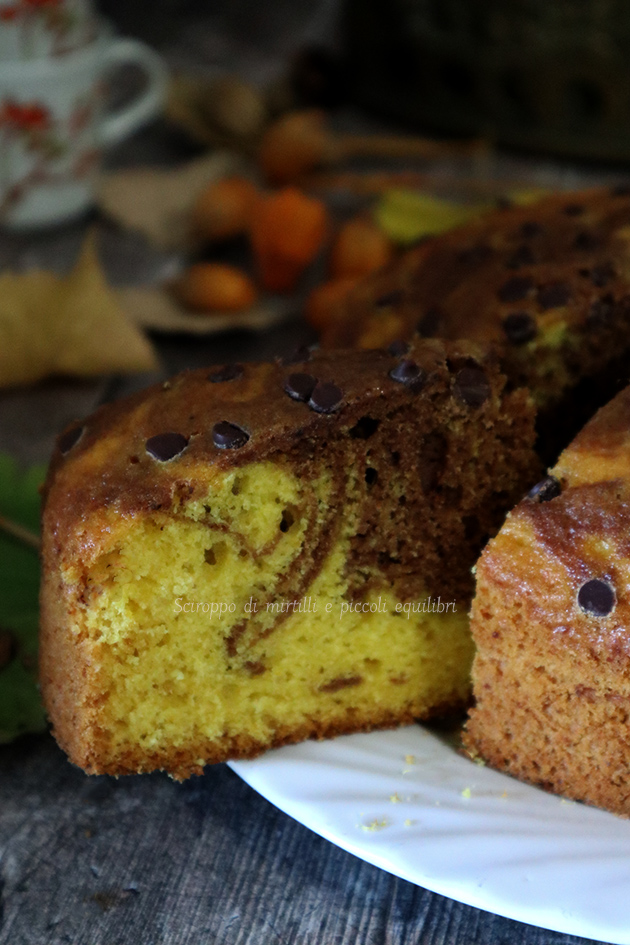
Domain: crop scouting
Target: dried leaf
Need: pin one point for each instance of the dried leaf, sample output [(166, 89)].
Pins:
[(407, 215), (73, 325), (217, 112), (158, 203), (157, 309)]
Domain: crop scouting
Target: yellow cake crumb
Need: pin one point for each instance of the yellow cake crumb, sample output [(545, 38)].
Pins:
[(375, 825)]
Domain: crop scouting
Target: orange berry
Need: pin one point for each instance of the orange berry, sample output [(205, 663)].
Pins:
[(325, 300), (293, 145), (215, 287), (359, 248), (223, 210), (288, 229)]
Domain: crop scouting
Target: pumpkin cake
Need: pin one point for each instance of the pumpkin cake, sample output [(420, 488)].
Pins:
[(550, 619), (548, 285), (253, 555)]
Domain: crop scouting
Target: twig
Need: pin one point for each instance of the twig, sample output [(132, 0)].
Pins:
[(20, 532), (368, 183)]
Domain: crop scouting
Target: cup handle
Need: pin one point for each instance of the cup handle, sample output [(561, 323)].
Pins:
[(123, 121)]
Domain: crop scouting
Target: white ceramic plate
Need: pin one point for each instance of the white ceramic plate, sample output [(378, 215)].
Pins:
[(407, 802)]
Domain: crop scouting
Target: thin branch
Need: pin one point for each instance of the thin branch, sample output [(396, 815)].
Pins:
[(18, 531)]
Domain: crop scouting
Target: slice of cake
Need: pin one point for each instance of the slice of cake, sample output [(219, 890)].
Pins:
[(551, 620), (547, 284), (257, 554)]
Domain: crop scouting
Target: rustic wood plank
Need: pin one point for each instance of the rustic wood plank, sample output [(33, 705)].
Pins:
[(147, 861)]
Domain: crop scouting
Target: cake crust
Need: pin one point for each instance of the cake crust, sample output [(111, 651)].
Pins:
[(550, 619)]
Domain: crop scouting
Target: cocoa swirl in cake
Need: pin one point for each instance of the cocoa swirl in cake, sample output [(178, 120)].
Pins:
[(346, 476), (364, 388)]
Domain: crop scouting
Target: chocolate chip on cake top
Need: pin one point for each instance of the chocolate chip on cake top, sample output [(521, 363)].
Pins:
[(546, 285), (166, 446)]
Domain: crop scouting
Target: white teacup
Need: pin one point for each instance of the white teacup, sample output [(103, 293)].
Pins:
[(53, 127), (35, 29)]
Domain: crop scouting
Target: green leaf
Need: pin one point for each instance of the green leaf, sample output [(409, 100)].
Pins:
[(407, 215), (20, 707)]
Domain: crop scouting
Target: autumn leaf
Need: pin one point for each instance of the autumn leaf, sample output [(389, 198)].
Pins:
[(158, 202), (66, 325), (406, 216)]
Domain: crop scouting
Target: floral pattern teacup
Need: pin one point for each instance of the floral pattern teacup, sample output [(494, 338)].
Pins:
[(53, 127), (35, 29)]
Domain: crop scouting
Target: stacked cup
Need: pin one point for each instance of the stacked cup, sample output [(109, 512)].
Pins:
[(55, 58)]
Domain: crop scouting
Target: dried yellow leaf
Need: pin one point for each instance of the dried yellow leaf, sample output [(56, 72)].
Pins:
[(406, 215), (66, 325)]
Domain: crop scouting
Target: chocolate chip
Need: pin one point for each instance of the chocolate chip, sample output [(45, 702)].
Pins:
[(326, 397), (69, 438), (597, 597), (602, 275), (165, 446), (515, 289), (601, 311), (228, 436), (574, 209), (553, 295), (431, 323), (531, 228), (621, 190), (472, 386), (398, 348), (545, 490), (394, 297), (409, 373), (519, 327), (300, 386), (522, 256), (231, 372), (586, 241), (298, 356)]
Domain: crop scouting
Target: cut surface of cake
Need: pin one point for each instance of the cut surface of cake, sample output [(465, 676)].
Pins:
[(548, 285), (551, 620), (256, 554)]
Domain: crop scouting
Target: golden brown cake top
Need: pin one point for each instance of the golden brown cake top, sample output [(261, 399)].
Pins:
[(141, 453), (535, 259), (530, 279), (564, 552)]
